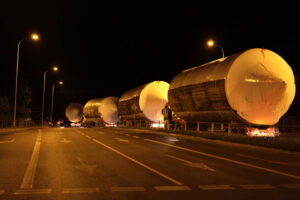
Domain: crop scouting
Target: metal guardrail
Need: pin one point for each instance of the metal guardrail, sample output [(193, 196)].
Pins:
[(197, 126), (19, 123)]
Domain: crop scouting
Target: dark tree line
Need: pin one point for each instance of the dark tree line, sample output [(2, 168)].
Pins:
[(23, 103)]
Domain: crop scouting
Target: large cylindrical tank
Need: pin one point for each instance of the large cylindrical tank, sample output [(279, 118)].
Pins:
[(256, 86), (74, 112), (105, 109), (145, 102)]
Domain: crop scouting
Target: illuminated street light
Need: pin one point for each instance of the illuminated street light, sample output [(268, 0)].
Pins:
[(52, 102), (33, 37), (211, 43), (54, 68)]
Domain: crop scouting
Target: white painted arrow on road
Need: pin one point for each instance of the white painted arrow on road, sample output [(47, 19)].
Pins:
[(90, 169), (191, 164), (7, 141)]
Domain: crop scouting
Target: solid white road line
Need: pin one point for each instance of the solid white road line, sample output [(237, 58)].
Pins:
[(79, 190), (216, 187), (172, 188), (28, 179), (291, 186), (33, 191), (7, 141), (127, 189), (137, 162), (227, 159), (257, 186)]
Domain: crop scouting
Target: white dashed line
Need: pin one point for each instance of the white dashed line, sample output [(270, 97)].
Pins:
[(33, 191), (172, 188), (127, 189), (257, 186), (79, 190), (216, 187), (89, 137)]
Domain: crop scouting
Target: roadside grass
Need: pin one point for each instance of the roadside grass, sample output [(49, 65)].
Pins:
[(285, 143)]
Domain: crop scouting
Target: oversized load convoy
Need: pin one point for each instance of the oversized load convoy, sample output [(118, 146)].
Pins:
[(74, 112), (255, 87), (102, 110), (145, 102)]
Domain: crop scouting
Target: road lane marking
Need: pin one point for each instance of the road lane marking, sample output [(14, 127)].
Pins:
[(79, 190), (28, 179), (100, 132), (216, 187), (172, 188), (66, 141), (89, 137), (227, 159), (121, 140), (7, 141), (33, 191), (270, 161), (90, 169), (291, 186), (127, 189), (137, 162), (191, 164), (2, 192), (136, 137), (257, 186)]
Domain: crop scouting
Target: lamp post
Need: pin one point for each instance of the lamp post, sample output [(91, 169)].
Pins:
[(211, 43), (52, 102), (33, 37), (55, 68)]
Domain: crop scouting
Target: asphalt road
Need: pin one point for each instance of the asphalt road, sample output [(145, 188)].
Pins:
[(113, 163)]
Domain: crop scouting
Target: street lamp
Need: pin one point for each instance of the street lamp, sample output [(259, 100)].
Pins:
[(34, 37), (54, 68), (211, 43), (52, 102)]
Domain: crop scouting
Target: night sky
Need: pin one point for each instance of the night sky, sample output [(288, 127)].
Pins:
[(108, 48)]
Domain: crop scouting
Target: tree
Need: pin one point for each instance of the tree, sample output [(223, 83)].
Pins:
[(5, 110), (24, 98)]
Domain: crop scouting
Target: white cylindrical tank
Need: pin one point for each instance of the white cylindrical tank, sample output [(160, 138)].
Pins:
[(102, 108), (145, 102), (256, 86), (74, 112)]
